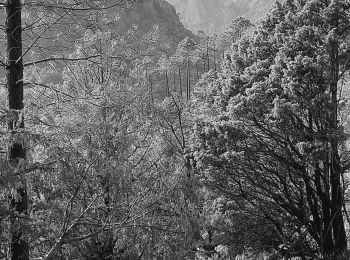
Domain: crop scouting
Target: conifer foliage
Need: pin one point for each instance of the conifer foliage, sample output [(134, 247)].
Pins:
[(270, 137)]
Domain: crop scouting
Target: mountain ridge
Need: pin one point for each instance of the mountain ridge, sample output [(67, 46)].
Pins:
[(213, 16), (148, 13)]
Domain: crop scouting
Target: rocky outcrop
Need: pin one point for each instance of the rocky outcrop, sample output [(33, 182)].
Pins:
[(150, 13)]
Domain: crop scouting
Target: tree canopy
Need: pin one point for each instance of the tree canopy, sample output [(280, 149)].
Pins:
[(270, 136), (115, 144)]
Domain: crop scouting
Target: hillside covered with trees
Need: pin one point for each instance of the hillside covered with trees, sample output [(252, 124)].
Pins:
[(214, 16), (125, 136)]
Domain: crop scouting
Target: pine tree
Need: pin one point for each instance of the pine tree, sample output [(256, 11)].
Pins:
[(185, 53), (273, 135)]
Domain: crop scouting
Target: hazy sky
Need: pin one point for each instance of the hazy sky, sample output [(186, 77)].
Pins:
[(214, 15)]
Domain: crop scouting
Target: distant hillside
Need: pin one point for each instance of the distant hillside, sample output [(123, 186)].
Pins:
[(214, 15), (149, 13), (146, 14)]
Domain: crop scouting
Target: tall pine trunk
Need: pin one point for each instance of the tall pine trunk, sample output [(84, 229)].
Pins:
[(188, 78), (180, 82), (208, 59), (167, 90), (214, 50), (18, 198), (149, 87), (174, 81)]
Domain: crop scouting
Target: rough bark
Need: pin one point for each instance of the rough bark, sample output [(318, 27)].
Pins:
[(18, 199)]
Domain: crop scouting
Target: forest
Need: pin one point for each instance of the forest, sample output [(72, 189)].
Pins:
[(125, 136)]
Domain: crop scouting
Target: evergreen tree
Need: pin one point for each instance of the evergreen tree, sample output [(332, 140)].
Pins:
[(270, 133), (185, 53)]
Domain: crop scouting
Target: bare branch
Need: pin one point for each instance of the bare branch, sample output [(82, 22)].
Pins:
[(87, 58), (60, 241), (39, 36), (4, 212), (49, 87), (2, 64), (60, 59), (65, 229), (74, 7)]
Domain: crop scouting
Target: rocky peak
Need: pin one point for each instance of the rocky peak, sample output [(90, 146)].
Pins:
[(149, 13)]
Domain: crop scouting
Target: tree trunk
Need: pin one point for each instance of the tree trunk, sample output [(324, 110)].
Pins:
[(18, 199), (214, 56), (208, 61), (180, 82), (149, 87), (174, 80), (188, 79), (335, 170), (167, 84)]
